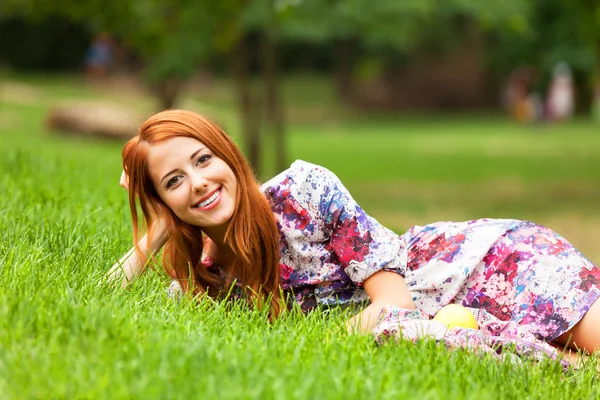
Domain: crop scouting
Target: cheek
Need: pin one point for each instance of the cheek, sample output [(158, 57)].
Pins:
[(175, 201), (234, 183)]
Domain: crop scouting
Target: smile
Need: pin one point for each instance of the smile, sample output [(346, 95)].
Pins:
[(210, 201)]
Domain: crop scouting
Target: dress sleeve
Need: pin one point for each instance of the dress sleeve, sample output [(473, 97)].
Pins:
[(414, 325), (362, 245)]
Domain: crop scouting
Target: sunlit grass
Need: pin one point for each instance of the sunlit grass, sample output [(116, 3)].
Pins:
[(64, 221)]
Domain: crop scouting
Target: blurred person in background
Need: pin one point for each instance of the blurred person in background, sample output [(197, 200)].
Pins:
[(560, 102), (518, 100), (99, 56)]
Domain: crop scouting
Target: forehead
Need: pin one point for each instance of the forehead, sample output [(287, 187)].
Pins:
[(167, 154)]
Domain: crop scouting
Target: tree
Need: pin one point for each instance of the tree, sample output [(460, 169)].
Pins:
[(171, 38), (392, 30), (555, 31), (262, 17)]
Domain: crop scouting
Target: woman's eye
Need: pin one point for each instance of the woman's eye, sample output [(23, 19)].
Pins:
[(203, 159), (172, 181)]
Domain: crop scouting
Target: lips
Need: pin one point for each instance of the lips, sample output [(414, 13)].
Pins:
[(209, 201)]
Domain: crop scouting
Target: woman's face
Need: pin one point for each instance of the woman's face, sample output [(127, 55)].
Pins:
[(196, 185)]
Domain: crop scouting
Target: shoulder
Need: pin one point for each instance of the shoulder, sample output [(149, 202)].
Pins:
[(303, 180), (300, 175)]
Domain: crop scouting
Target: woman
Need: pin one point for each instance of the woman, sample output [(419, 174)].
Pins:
[(302, 232)]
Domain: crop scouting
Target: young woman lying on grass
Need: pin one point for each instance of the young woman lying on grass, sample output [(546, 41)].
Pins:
[(302, 236)]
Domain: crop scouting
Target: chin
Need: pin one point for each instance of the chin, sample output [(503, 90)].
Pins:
[(215, 222)]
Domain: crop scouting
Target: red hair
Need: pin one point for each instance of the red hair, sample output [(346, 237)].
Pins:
[(252, 234)]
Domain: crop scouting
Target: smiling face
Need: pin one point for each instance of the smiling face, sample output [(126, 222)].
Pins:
[(199, 187)]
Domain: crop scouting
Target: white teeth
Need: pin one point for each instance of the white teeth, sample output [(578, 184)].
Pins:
[(209, 200)]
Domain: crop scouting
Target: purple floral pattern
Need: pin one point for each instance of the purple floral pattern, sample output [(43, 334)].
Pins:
[(526, 281), (492, 337), (329, 245)]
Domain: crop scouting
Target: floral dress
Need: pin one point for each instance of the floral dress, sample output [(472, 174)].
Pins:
[(521, 276)]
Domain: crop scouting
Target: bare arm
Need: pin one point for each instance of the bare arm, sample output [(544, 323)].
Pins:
[(129, 267), (383, 288)]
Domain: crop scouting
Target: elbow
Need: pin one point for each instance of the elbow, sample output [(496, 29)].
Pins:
[(400, 303), (386, 287)]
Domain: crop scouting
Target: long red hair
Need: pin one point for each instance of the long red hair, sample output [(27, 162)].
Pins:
[(252, 234)]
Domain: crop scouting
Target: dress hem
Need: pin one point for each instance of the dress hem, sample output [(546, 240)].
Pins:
[(589, 300)]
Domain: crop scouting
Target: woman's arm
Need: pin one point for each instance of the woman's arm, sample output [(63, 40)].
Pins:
[(129, 267), (383, 288), (372, 255)]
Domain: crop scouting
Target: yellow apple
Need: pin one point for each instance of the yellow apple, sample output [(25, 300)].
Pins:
[(456, 315)]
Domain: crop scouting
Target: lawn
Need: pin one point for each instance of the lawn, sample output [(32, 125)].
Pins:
[(64, 221)]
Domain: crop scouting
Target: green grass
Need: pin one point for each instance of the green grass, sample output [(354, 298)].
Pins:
[(64, 221)]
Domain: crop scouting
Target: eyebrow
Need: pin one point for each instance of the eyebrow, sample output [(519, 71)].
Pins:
[(175, 170)]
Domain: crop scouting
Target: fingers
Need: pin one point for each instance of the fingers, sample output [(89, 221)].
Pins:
[(124, 181), (209, 248)]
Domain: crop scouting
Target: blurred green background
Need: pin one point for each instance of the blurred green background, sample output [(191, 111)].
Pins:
[(405, 100), (410, 102)]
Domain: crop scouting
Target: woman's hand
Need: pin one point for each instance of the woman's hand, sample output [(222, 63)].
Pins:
[(130, 266), (383, 288), (210, 248), (158, 226), (124, 181)]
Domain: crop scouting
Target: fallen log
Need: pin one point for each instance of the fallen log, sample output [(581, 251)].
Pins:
[(94, 120)]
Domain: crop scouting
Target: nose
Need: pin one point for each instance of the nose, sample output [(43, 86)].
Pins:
[(198, 183)]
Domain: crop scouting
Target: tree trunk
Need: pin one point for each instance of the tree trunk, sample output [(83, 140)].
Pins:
[(167, 91), (342, 65), (273, 100), (248, 107)]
